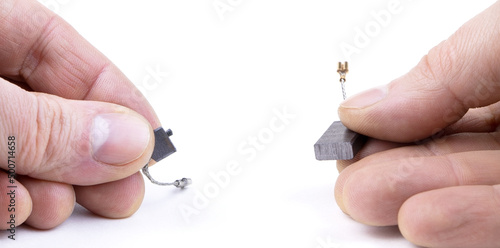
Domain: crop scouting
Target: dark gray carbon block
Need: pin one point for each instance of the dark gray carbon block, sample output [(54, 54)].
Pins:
[(163, 144), (338, 143)]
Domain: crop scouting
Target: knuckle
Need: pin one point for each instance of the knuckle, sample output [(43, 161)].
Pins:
[(441, 68), (37, 50), (442, 63), (382, 193), (58, 203)]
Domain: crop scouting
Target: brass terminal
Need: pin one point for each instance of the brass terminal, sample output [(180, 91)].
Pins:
[(343, 69)]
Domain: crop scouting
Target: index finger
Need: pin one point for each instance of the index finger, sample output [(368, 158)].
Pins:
[(460, 73), (39, 48)]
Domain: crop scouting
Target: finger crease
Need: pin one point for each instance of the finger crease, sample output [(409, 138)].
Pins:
[(456, 170), (496, 195), (93, 82), (494, 137), (463, 109), (492, 119)]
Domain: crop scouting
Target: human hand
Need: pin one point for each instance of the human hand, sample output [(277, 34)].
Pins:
[(443, 191), (82, 130)]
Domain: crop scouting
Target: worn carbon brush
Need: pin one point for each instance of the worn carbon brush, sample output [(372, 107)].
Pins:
[(164, 148)]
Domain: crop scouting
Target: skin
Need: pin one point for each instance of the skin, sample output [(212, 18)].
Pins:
[(442, 192), (432, 165), (53, 83)]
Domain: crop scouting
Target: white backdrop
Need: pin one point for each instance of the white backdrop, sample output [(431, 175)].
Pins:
[(248, 87)]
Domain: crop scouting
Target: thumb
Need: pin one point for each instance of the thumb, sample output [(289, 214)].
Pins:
[(460, 73), (75, 142)]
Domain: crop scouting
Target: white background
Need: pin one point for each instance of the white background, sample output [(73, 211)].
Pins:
[(226, 78)]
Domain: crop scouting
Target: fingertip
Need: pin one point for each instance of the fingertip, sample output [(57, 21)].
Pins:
[(462, 216), (343, 189), (364, 99), (402, 115), (339, 189), (135, 201), (412, 220), (350, 201), (369, 198), (118, 199), (121, 142), (428, 221), (53, 202), (16, 203)]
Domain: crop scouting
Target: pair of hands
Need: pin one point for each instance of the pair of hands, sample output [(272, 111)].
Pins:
[(70, 138)]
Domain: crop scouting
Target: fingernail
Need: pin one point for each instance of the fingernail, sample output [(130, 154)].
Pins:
[(366, 98), (118, 139)]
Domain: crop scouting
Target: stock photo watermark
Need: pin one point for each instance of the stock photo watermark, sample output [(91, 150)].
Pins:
[(328, 242), (54, 5), (366, 33), (247, 151), (154, 78), (11, 186), (481, 93), (224, 7)]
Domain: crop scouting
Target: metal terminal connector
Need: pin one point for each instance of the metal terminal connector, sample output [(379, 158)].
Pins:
[(343, 69), (182, 183)]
